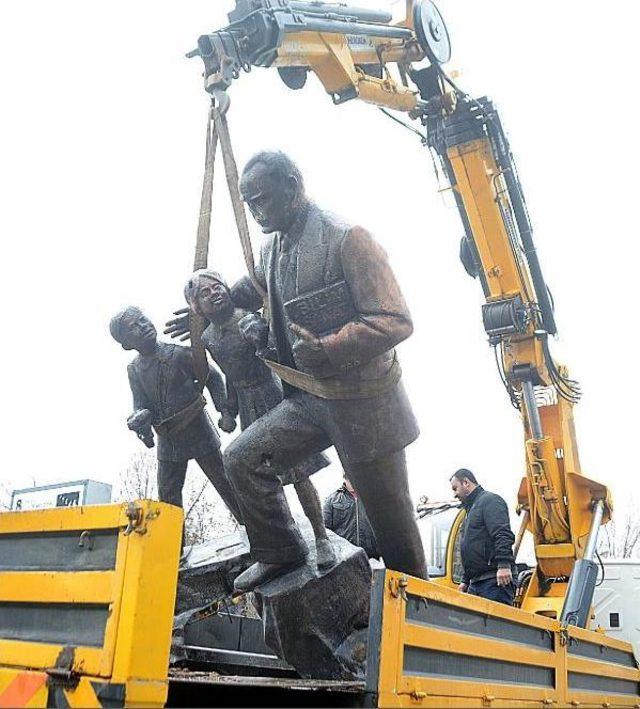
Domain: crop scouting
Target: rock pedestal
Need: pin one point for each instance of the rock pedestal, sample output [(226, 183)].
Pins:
[(316, 620)]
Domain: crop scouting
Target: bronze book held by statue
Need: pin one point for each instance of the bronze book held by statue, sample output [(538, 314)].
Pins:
[(322, 311)]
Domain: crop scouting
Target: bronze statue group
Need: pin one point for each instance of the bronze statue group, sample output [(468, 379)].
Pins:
[(332, 315)]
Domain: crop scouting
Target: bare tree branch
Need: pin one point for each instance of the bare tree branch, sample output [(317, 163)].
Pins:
[(621, 538), (6, 489), (138, 481), (206, 516)]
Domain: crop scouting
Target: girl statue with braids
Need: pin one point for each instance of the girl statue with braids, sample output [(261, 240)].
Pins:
[(252, 388)]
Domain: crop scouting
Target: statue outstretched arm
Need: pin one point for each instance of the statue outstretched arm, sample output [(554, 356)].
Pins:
[(178, 327)]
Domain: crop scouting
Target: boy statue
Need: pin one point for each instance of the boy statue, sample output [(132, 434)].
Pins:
[(166, 396), (231, 339)]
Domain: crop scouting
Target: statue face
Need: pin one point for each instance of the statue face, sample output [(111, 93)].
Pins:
[(213, 298), (138, 333), (270, 199)]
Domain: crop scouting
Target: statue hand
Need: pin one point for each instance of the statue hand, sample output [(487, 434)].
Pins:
[(179, 327), (147, 438), (255, 330), (139, 420), (308, 352), (227, 422), (140, 423)]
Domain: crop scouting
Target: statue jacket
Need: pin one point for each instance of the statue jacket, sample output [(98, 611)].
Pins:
[(252, 388), (329, 253), (165, 383)]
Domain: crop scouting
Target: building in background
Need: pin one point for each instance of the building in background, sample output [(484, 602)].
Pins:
[(67, 494), (617, 601)]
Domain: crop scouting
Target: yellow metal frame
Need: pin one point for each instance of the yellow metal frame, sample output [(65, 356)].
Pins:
[(333, 60), (336, 58), (140, 591), (558, 497), (448, 580), (560, 509), (398, 689)]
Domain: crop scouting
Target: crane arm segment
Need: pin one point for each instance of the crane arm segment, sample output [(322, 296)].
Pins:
[(352, 51)]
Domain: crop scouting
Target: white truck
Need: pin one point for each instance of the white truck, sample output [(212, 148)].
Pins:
[(617, 601)]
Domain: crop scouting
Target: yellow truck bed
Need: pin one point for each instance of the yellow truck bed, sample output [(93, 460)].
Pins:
[(86, 611)]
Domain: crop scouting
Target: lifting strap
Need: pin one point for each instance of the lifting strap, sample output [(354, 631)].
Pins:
[(231, 171), (335, 389), (197, 322), (217, 130)]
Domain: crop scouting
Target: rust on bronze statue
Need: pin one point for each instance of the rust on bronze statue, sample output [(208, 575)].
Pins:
[(164, 385)]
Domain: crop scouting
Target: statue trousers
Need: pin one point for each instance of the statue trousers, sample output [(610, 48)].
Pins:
[(171, 477), (284, 437)]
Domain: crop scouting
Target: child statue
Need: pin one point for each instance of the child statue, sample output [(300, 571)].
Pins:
[(252, 389), (166, 396)]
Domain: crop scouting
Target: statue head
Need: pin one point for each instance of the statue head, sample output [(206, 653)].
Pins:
[(133, 330), (273, 189), (208, 295)]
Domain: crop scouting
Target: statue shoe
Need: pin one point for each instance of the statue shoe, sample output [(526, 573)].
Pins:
[(260, 573), (325, 556)]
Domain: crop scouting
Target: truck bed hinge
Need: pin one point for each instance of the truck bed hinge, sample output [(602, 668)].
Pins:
[(62, 673), (398, 588)]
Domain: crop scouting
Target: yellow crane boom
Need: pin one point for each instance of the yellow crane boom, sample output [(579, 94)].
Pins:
[(353, 51), (87, 595)]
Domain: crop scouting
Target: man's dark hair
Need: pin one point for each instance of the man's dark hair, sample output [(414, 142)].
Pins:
[(464, 474), (278, 165)]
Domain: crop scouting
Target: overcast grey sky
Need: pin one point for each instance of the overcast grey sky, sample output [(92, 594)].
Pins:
[(101, 152)]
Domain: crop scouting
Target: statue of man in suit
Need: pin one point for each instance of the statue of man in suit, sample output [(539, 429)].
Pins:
[(335, 315)]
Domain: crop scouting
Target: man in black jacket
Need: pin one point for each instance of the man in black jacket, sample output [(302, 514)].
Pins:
[(487, 540), (344, 514)]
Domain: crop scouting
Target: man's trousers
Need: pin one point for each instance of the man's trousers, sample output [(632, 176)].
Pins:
[(489, 589)]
